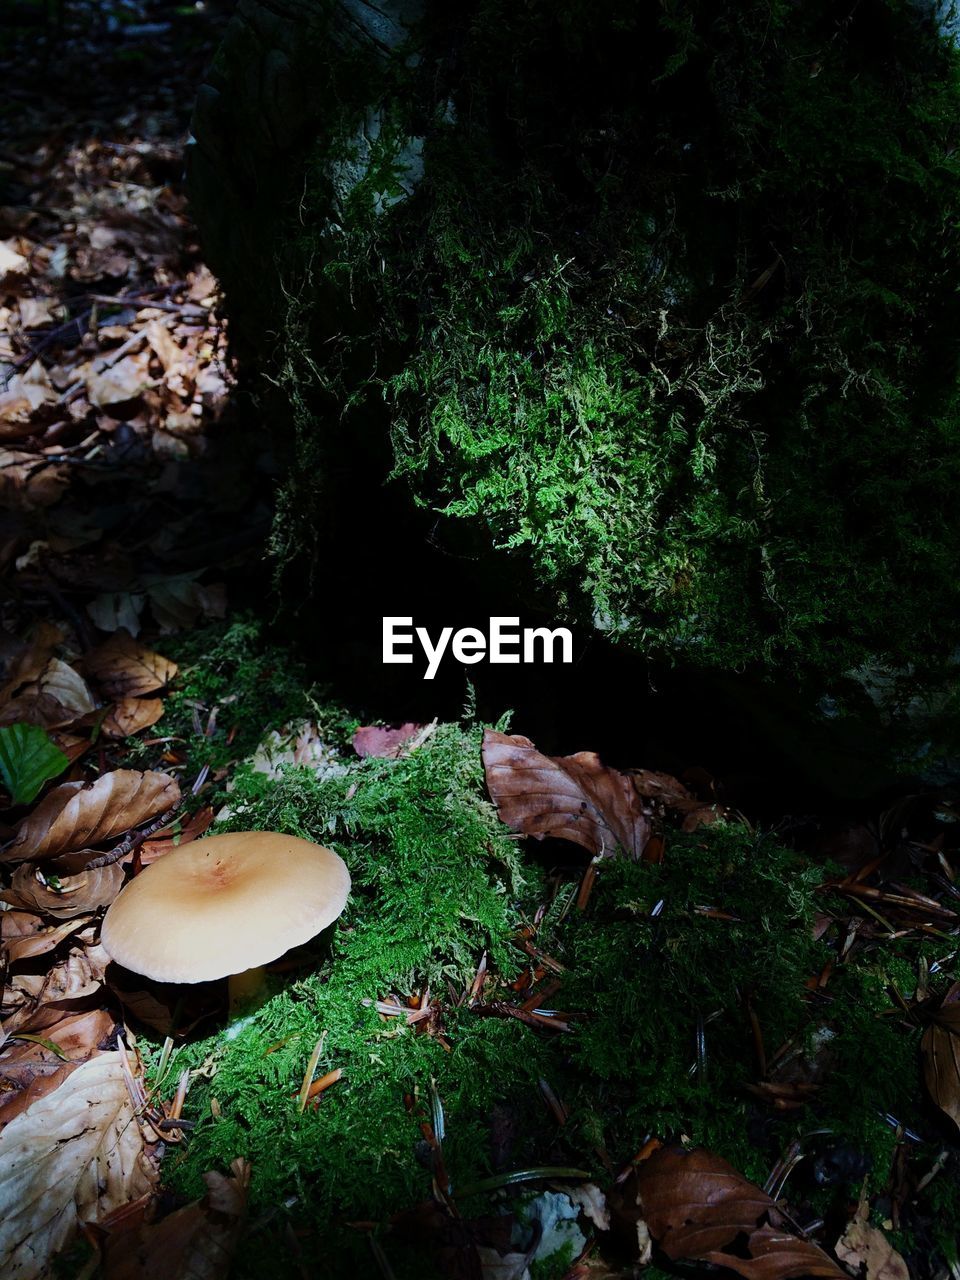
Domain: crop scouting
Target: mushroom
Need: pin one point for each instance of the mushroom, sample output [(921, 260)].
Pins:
[(225, 906)]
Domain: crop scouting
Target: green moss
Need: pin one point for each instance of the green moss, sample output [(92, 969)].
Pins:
[(438, 881), (650, 983), (232, 673), (666, 322)]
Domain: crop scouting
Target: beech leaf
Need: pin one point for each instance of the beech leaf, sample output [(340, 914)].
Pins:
[(570, 797), (124, 668), (28, 759), (58, 696), (940, 1051), (74, 895), (75, 814), (131, 715), (193, 1243), (74, 1156), (33, 1065), (697, 1207)]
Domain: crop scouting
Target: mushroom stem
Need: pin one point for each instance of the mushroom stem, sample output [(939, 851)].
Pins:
[(247, 990)]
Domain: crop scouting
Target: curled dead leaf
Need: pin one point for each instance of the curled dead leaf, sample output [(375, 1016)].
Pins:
[(25, 935), (57, 696), (74, 895), (570, 797), (75, 814), (39, 1000), (697, 1207)]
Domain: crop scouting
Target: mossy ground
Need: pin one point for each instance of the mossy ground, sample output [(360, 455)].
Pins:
[(438, 881)]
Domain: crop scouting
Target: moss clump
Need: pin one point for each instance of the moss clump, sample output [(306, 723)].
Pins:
[(438, 881), (654, 985), (233, 684), (667, 319)]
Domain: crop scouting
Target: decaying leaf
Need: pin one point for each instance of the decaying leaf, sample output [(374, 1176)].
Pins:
[(177, 602), (866, 1249), (124, 668), (25, 935), (940, 1050), (696, 1207), (180, 833), (63, 897), (120, 382), (376, 740), (193, 1243), (74, 1156), (58, 696), (75, 814), (131, 715), (28, 759), (571, 797), (112, 610), (30, 1069), (39, 1000)]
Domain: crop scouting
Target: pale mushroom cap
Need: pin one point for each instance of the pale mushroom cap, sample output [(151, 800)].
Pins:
[(224, 904)]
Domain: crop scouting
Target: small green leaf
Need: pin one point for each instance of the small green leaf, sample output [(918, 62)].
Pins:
[(28, 759), (46, 1044)]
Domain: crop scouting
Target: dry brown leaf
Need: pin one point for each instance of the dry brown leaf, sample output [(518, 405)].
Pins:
[(74, 1156), (704, 815), (940, 1050), (125, 380), (26, 935), (31, 658), (570, 797), (663, 788), (131, 715), (39, 1000), (29, 1069), (166, 840), (75, 814), (124, 668), (35, 312), (867, 1249), (16, 414), (375, 740), (57, 697), (193, 1243), (28, 481), (696, 1207), (177, 602), (76, 894), (169, 353)]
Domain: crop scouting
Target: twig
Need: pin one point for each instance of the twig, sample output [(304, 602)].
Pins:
[(132, 841)]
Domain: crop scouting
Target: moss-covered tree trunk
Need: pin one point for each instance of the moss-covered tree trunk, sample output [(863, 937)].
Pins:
[(651, 308)]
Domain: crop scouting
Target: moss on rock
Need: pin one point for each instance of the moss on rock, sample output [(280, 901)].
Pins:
[(656, 302)]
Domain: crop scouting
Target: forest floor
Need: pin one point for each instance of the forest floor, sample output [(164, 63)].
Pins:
[(576, 1021)]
